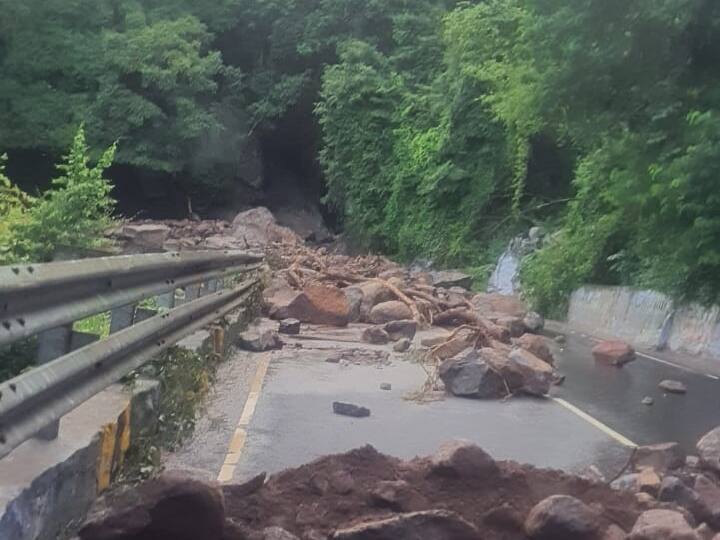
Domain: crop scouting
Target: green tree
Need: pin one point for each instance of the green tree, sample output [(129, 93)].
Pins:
[(75, 212)]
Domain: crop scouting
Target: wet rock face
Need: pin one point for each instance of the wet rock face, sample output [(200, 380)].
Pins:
[(505, 278)]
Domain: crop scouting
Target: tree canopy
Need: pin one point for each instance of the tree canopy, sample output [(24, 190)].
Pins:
[(446, 127)]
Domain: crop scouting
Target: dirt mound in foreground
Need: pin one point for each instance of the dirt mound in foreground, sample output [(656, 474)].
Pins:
[(336, 492)]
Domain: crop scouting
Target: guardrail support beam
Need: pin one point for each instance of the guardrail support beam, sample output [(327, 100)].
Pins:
[(52, 344), (121, 318)]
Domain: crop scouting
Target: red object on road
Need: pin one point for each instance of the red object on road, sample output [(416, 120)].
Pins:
[(614, 353)]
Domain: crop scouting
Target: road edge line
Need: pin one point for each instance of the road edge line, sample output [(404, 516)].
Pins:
[(237, 441), (595, 422)]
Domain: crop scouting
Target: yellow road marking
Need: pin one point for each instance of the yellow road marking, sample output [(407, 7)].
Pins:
[(595, 422), (237, 442)]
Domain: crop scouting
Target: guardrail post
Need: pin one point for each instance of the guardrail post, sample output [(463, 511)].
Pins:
[(192, 292), (52, 344), (167, 300), (121, 318), (78, 340), (212, 286), (143, 314)]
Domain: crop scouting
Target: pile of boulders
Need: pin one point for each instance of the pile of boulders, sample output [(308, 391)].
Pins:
[(662, 476), (255, 228), (488, 347), (459, 493)]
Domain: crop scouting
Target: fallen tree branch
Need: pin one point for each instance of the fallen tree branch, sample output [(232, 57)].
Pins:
[(409, 302)]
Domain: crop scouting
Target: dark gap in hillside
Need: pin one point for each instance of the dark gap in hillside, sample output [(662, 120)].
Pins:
[(294, 185), (549, 178)]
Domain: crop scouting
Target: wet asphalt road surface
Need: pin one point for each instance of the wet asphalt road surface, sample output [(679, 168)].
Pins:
[(614, 395), (294, 422)]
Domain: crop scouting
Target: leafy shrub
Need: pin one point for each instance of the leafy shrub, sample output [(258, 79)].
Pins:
[(74, 212)]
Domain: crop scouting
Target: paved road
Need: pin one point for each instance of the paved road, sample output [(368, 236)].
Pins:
[(614, 396), (293, 422), (282, 415), (271, 411)]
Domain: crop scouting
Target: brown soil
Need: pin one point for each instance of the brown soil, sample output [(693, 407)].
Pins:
[(316, 498)]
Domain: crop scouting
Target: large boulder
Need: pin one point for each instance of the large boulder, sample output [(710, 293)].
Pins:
[(316, 304), (145, 237), (467, 375), (523, 371), (534, 322), (662, 525), (450, 278), (427, 525), (222, 242), (401, 329), (258, 339), (462, 459), (390, 311), (536, 345), (709, 493), (660, 457), (447, 348), (373, 293), (257, 227), (674, 490), (614, 353), (354, 296), (514, 325), (173, 506), (562, 516), (375, 335), (709, 450), (499, 305)]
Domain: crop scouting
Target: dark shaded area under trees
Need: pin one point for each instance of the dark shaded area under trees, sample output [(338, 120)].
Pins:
[(427, 128)]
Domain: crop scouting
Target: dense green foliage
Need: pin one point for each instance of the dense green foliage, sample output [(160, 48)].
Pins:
[(73, 213), (626, 89), (446, 126)]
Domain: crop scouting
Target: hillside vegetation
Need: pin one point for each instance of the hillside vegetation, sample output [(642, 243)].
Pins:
[(446, 127)]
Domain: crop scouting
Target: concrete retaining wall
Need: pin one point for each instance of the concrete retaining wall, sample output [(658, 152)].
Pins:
[(647, 319)]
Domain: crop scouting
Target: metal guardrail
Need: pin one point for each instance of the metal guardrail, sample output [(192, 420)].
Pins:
[(49, 297), (42, 296)]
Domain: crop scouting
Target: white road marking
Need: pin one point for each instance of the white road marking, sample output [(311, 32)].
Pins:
[(678, 366), (668, 363), (595, 423)]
